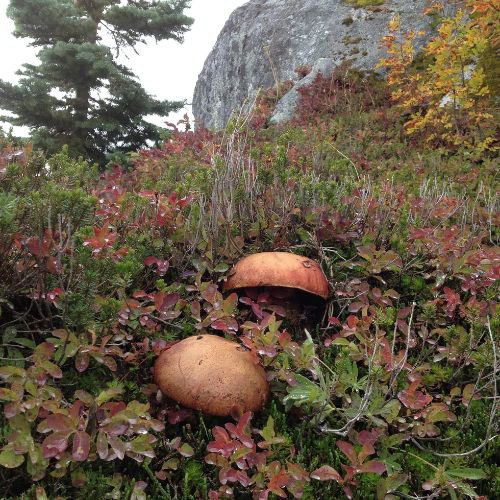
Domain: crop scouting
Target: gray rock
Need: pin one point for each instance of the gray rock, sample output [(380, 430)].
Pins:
[(285, 109), (263, 41)]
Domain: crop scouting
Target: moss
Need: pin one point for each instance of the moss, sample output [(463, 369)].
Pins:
[(364, 3), (351, 40)]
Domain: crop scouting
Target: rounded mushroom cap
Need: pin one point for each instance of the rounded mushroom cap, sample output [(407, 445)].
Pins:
[(279, 269), (211, 374)]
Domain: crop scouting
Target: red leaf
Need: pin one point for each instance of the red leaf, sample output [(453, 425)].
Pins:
[(165, 301), (110, 363), (278, 482), (53, 265), (333, 320), (161, 264), (452, 300), (297, 472), (404, 313), (103, 238), (352, 321), (44, 351), (229, 475), (149, 261), (246, 300), (226, 324), (370, 437), (219, 324), (115, 428), (366, 451), (415, 400), (257, 310), (38, 248), (59, 422), (223, 443), (81, 362), (178, 416), (373, 466), (54, 444), (242, 430), (348, 492), (211, 294), (196, 310), (348, 450), (326, 473), (355, 307), (81, 446)]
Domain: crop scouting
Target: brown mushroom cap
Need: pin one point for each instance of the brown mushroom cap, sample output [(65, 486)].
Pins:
[(279, 269), (211, 374)]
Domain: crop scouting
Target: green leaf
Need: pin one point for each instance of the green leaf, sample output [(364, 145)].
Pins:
[(140, 409), (390, 484), (11, 371), (108, 394), (268, 432), (390, 410), (24, 342), (40, 493), (340, 341), (171, 464), (303, 234), (9, 334), (467, 473), (440, 414), (186, 450), (10, 460), (305, 391), (221, 268), (102, 445), (8, 395), (52, 369), (453, 495), (240, 452), (466, 489), (85, 397), (118, 446)]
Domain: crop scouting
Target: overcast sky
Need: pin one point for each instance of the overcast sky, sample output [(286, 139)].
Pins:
[(168, 70)]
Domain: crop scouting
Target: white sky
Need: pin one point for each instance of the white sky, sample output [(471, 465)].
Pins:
[(167, 70)]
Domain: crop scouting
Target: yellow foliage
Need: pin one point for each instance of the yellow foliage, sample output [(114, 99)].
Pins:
[(449, 101)]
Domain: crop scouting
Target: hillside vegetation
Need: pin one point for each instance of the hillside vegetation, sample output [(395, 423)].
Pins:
[(388, 391)]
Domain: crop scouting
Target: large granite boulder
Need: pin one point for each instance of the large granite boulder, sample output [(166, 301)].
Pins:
[(263, 41)]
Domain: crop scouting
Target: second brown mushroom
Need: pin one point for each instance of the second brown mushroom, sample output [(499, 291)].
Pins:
[(293, 280)]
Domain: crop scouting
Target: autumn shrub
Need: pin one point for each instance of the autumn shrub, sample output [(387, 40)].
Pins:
[(449, 102)]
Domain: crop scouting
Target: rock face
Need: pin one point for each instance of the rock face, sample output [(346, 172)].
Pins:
[(285, 109), (263, 41)]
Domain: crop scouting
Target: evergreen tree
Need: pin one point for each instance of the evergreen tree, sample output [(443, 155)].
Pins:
[(79, 95)]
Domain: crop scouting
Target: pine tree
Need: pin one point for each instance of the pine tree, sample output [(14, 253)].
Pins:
[(78, 94)]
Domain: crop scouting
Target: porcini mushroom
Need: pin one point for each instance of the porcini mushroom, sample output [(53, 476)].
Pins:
[(211, 374), (280, 270)]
